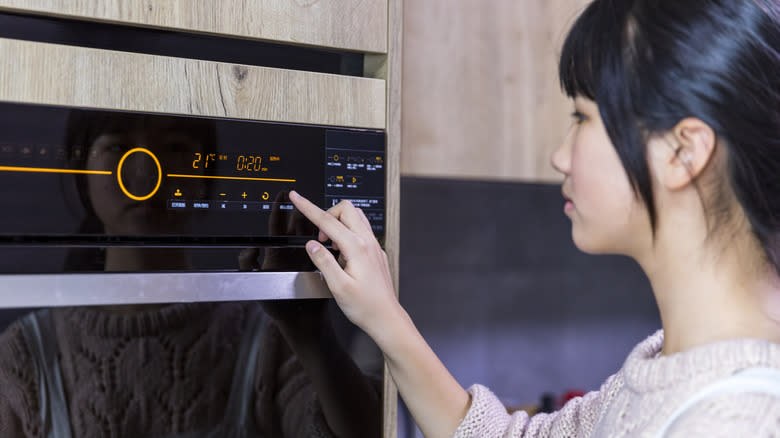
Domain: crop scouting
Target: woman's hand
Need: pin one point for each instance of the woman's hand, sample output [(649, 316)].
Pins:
[(364, 290), (360, 280)]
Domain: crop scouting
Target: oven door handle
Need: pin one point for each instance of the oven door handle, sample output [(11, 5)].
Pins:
[(54, 290)]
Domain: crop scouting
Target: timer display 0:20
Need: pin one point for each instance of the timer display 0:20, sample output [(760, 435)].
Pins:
[(250, 163)]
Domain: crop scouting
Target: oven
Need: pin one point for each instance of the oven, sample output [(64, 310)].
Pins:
[(153, 166)]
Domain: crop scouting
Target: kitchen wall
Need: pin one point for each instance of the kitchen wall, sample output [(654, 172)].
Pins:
[(481, 97)]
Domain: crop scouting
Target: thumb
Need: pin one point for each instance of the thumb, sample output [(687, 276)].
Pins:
[(327, 264)]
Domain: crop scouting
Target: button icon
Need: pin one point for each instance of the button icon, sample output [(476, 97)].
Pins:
[(43, 151), (265, 196), (119, 174), (177, 193), (243, 195)]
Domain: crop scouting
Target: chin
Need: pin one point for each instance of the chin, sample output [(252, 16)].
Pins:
[(590, 245)]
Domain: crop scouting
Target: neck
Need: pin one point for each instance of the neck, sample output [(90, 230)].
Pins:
[(726, 292)]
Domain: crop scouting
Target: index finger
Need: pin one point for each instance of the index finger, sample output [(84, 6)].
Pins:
[(326, 222)]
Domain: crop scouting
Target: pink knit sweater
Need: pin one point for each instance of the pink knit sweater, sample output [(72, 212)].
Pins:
[(638, 400)]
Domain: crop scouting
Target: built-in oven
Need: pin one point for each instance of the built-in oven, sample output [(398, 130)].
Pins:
[(153, 280), (182, 194)]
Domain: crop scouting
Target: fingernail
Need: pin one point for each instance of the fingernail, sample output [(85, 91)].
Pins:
[(312, 247), (294, 194)]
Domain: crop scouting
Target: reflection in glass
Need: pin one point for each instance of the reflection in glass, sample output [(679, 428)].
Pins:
[(271, 369), (228, 369)]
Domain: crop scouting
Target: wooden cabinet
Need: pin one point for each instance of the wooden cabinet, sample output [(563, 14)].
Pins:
[(359, 25), (481, 96), (75, 76)]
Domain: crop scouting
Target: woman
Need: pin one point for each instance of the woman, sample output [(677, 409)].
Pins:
[(673, 160)]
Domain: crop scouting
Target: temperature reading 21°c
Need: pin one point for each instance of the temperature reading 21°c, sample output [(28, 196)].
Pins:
[(242, 163), (203, 160)]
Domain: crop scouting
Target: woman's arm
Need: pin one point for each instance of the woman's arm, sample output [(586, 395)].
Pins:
[(435, 399), (363, 289)]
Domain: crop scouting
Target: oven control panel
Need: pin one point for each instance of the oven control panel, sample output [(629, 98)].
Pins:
[(92, 177)]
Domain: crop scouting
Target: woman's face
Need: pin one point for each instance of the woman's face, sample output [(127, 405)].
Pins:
[(606, 215), (121, 214)]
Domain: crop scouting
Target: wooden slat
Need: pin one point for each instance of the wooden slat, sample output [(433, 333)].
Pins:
[(359, 25), (393, 68), (481, 93), (63, 75)]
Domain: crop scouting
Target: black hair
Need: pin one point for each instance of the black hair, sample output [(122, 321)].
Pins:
[(649, 64)]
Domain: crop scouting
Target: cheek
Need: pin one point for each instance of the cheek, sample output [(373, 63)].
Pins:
[(103, 190), (604, 198), (598, 175)]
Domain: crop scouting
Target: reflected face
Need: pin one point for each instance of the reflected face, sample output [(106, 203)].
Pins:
[(606, 215), (120, 213)]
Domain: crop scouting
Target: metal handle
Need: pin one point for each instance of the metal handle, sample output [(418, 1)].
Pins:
[(53, 290)]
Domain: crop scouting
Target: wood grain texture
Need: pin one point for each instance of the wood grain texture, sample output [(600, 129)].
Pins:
[(63, 75), (393, 68), (359, 25), (481, 95)]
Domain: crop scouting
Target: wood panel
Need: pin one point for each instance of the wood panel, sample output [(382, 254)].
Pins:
[(63, 75), (359, 25), (392, 68), (481, 95)]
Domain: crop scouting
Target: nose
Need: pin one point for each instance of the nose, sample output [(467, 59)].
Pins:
[(561, 158)]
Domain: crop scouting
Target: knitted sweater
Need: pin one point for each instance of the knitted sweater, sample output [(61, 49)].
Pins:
[(155, 373), (638, 400)]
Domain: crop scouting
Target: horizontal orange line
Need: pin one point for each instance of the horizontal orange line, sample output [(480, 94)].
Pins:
[(45, 170), (238, 178)]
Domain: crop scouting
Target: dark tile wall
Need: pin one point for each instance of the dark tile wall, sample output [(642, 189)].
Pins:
[(493, 281)]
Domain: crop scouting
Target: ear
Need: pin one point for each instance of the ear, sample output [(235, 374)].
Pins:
[(690, 149)]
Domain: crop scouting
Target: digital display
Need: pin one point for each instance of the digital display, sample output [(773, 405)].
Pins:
[(88, 177)]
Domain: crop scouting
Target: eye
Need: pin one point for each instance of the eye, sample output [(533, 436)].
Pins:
[(578, 117)]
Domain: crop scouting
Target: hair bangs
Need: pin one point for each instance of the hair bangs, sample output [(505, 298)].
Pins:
[(593, 43)]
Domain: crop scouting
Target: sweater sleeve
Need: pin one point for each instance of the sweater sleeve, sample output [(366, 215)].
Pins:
[(488, 417), (297, 404), (19, 410), (286, 402)]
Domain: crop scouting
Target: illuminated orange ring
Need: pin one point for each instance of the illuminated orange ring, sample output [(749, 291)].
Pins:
[(119, 174)]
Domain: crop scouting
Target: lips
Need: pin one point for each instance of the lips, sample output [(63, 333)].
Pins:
[(569, 207)]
